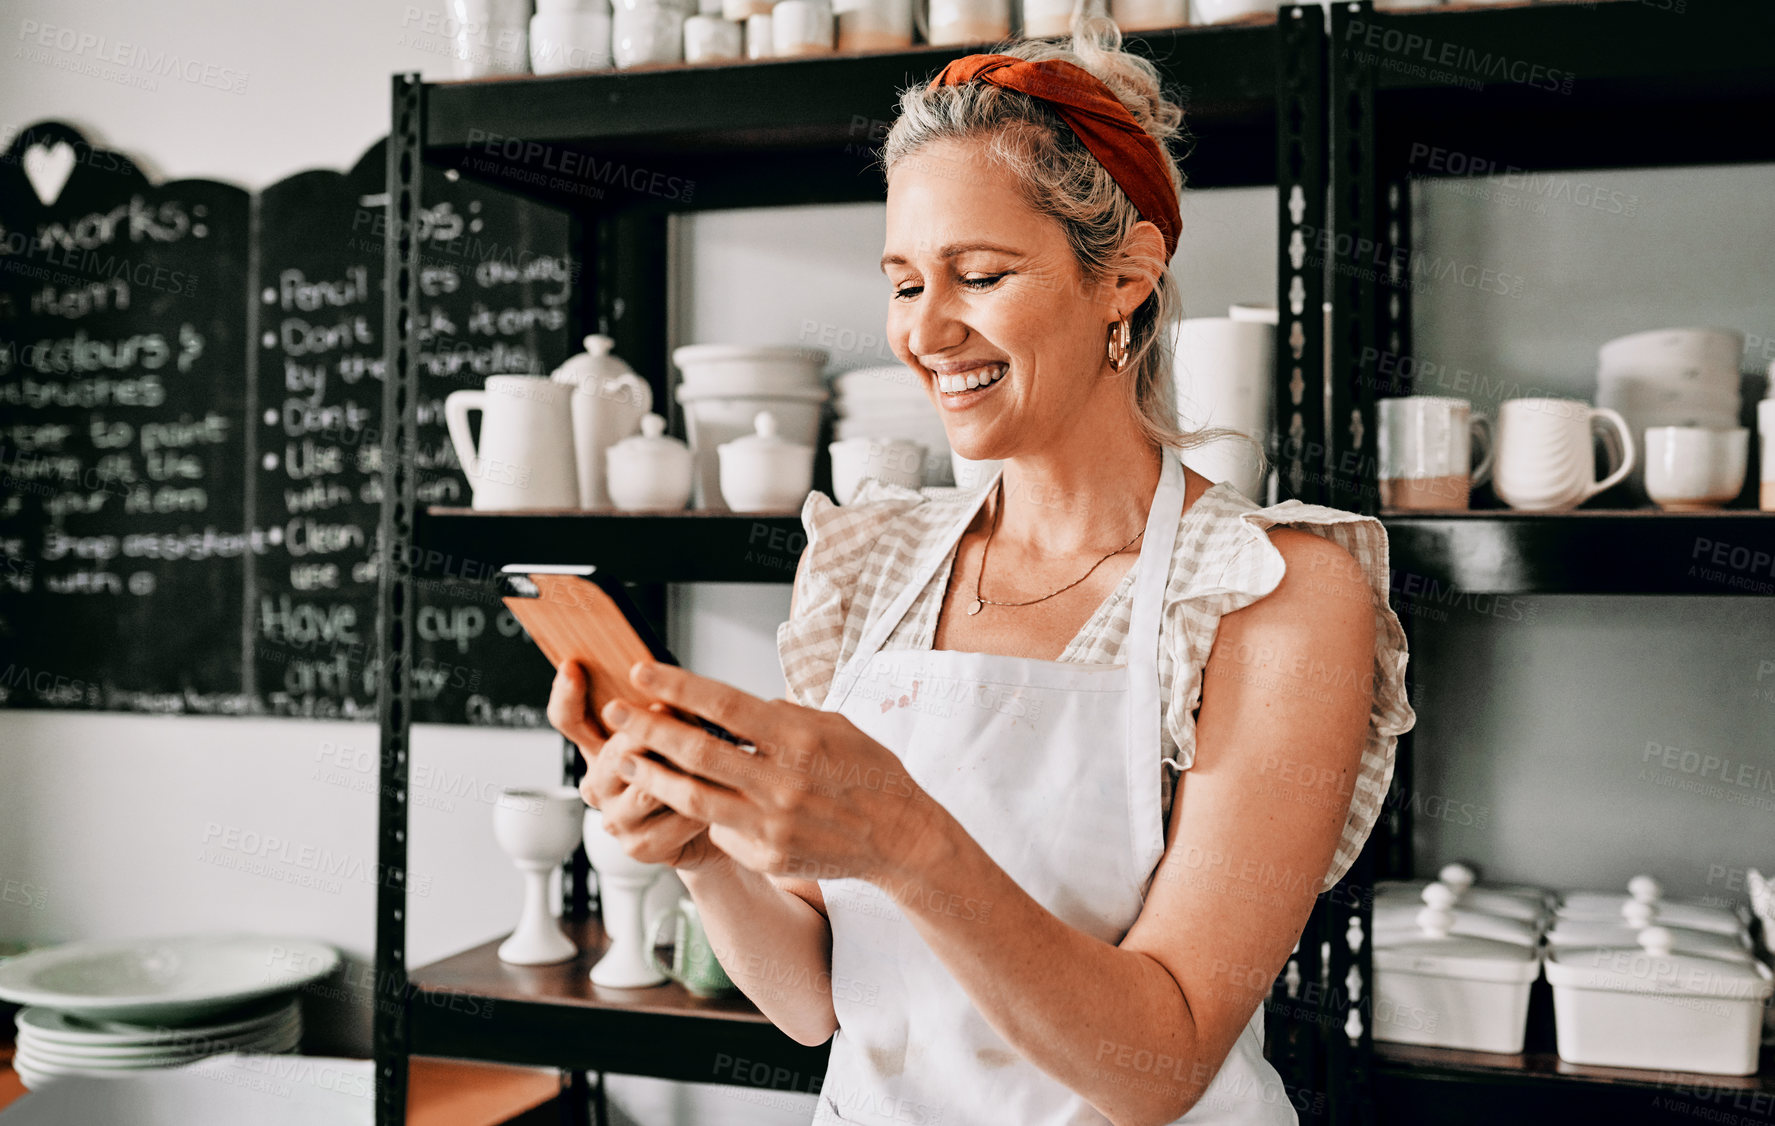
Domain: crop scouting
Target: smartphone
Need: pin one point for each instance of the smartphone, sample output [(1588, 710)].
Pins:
[(573, 612)]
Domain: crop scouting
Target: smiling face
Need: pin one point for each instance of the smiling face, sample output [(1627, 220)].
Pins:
[(985, 289)]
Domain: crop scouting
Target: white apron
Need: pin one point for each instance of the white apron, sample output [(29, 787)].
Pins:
[(1053, 767)]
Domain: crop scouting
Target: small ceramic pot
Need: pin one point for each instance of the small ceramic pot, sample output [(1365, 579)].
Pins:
[(761, 472), (649, 470)]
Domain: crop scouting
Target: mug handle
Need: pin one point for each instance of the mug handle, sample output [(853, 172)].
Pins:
[(1482, 425), (457, 404), (653, 929), (921, 19), (1627, 453)]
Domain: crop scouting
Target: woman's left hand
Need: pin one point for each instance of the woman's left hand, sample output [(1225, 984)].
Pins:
[(818, 799)]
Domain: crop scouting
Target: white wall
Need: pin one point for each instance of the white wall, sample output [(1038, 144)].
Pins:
[(1541, 722)]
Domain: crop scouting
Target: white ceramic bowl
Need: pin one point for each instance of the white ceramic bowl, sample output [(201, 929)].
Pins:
[(759, 480), (1688, 355), (1692, 467), (740, 369)]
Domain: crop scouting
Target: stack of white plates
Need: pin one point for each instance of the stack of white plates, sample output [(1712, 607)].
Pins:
[(52, 1044), (891, 402), (1670, 377), (115, 1007)]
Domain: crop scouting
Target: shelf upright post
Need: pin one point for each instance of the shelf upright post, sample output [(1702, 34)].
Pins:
[(1393, 859), (391, 1029), (1300, 280), (1360, 266), (1292, 1019)]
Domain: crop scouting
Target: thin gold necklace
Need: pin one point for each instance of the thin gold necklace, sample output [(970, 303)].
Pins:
[(984, 551)]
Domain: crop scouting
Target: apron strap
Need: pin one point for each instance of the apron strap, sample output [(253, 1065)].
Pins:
[(922, 572), (1145, 707)]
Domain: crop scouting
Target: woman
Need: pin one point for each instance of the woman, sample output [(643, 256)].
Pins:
[(957, 846)]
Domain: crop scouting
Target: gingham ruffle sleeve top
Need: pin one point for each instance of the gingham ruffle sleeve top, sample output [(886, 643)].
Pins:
[(860, 555)]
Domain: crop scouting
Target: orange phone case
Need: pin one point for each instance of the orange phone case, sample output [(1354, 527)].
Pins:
[(578, 617)]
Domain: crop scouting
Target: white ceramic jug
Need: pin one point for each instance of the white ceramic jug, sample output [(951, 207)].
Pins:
[(525, 455), (609, 401)]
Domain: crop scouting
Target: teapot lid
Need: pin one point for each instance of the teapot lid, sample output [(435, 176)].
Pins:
[(597, 361)]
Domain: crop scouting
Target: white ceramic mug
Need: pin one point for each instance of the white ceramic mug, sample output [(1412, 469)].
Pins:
[(758, 37), (1425, 443), (489, 37), (1143, 15), (1766, 448), (801, 27), (873, 25), (563, 42), (1695, 467), (525, 457), (709, 39), (897, 461), (968, 21), (1546, 453), (644, 32)]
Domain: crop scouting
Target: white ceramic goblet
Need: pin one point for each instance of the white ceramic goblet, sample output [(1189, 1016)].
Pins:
[(622, 889), (537, 827)]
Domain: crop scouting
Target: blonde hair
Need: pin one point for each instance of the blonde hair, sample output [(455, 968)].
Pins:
[(1058, 177)]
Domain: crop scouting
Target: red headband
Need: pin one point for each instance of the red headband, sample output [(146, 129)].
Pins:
[(1103, 124)]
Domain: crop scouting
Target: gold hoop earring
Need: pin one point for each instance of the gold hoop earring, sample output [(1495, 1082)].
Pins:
[(1121, 341)]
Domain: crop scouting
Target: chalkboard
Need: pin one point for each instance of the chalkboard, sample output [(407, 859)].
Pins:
[(191, 387), (495, 289), (122, 321)]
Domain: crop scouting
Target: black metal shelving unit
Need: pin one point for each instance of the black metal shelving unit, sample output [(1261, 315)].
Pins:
[(1308, 107)]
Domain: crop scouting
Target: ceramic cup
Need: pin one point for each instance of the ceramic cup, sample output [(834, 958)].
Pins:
[(1146, 15), (1231, 11), (1695, 467), (971, 473), (1546, 453), (739, 11), (801, 27), (537, 828), (623, 883), (968, 21), (1766, 452), (693, 964), (1425, 451), (1048, 17), (758, 37), (525, 456), (873, 25), (566, 41), (489, 37), (645, 32), (897, 461), (710, 39)]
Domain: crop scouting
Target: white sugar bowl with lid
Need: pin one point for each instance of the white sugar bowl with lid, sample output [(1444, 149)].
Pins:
[(650, 470), (608, 402), (762, 472), (1436, 987), (1652, 1006), (1643, 889), (1398, 919)]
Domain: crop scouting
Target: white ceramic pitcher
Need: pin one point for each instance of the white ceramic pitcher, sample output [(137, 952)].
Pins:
[(525, 456), (609, 401)]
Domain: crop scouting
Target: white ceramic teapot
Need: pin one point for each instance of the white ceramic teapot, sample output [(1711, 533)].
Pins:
[(609, 400)]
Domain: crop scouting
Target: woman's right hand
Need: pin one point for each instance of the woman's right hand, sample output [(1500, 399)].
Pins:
[(648, 831)]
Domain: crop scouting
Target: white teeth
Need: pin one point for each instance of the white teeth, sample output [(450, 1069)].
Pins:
[(979, 377)]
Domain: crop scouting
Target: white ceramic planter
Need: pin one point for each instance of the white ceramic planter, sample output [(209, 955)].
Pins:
[(1448, 990), (1651, 1007)]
